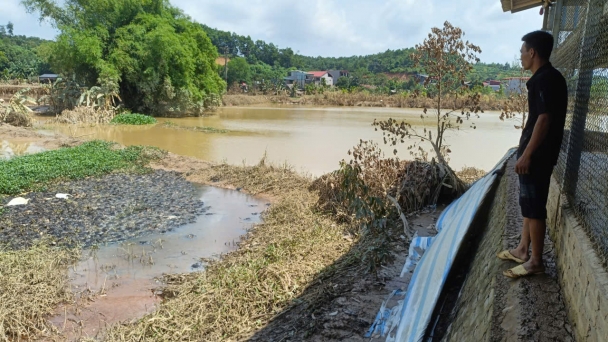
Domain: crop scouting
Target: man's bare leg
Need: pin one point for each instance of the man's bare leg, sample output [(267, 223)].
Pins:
[(521, 251), (537, 236)]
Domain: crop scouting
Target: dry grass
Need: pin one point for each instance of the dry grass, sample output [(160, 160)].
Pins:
[(414, 184), (276, 262), (85, 115), (8, 90), (244, 100), (32, 283), (18, 119), (470, 174)]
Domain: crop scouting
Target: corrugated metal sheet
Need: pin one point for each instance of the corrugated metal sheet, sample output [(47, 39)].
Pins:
[(432, 271), (519, 5)]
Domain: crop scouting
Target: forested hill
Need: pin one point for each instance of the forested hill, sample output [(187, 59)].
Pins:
[(18, 57), (388, 62)]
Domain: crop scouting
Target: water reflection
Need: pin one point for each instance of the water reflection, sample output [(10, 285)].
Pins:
[(9, 149)]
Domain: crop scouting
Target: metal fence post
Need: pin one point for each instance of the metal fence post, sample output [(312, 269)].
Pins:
[(557, 22), (582, 95)]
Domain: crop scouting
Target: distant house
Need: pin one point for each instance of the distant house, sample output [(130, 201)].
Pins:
[(515, 85), (297, 77), (48, 78), (495, 85), (337, 74), (421, 78), (319, 76)]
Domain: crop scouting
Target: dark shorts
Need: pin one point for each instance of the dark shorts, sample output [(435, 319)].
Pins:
[(533, 193)]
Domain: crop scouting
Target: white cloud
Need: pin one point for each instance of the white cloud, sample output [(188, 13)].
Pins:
[(341, 27), (24, 23)]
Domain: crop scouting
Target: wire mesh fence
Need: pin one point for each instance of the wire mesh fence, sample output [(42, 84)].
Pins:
[(580, 29)]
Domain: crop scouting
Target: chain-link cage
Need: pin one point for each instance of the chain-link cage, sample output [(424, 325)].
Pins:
[(580, 29)]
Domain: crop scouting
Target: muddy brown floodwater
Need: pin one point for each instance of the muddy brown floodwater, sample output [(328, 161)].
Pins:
[(123, 280), (311, 139)]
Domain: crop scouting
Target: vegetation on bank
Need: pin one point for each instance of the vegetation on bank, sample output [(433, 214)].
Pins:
[(93, 158), (133, 119)]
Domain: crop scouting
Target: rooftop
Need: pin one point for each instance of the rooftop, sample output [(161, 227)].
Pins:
[(317, 73)]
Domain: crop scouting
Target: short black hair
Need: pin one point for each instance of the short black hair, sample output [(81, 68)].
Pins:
[(541, 42)]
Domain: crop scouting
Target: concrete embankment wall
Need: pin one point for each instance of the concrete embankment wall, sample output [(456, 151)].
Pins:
[(491, 307), (583, 278)]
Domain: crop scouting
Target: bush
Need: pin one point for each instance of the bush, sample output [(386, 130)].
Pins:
[(133, 119)]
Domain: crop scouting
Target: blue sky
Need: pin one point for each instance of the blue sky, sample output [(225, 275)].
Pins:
[(341, 27)]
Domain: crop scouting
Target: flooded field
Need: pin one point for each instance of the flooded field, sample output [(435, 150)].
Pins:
[(313, 140)]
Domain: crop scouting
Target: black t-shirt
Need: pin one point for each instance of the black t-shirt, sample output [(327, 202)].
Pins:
[(547, 94)]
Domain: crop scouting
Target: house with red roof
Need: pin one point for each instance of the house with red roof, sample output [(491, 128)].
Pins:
[(318, 77)]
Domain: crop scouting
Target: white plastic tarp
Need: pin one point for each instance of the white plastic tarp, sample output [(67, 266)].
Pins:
[(433, 268)]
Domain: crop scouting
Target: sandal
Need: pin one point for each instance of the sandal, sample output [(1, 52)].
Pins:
[(506, 255), (519, 271)]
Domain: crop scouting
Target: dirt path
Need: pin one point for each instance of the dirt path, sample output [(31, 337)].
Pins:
[(534, 308)]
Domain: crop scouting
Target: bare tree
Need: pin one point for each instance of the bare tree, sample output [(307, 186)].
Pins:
[(446, 59)]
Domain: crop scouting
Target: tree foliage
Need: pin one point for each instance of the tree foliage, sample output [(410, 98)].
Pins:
[(160, 60), (238, 71)]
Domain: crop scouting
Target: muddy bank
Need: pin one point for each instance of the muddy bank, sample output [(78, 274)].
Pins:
[(27, 137), (99, 210), (361, 99)]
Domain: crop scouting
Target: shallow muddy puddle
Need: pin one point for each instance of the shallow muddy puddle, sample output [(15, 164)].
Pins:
[(121, 279)]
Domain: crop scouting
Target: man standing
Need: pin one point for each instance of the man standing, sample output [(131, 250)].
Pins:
[(538, 151)]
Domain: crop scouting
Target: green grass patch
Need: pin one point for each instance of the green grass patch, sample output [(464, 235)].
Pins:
[(203, 129), (133, 119), (93, 158)]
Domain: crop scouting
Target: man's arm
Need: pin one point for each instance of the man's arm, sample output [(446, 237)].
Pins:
[(541, 128)]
